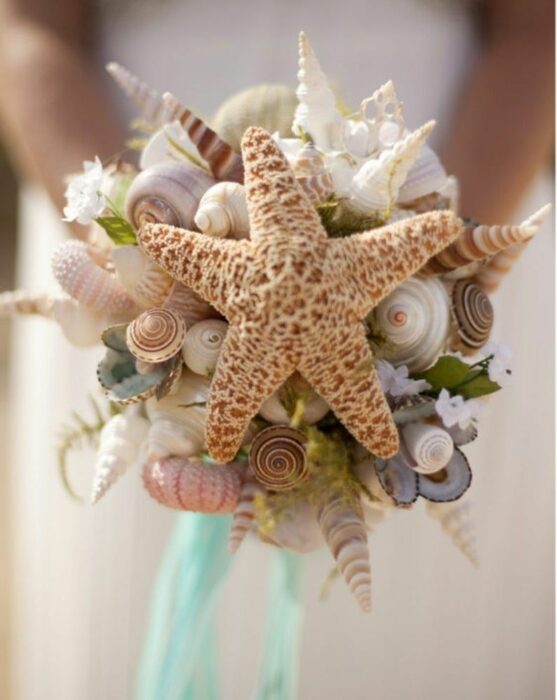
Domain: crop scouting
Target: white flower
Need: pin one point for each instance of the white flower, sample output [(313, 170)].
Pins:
[(454, 409), (499, 367), (85, 201), (396, 382)]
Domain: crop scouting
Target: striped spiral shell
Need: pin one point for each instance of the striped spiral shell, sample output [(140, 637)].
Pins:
[(148, 101), (202, 345), (343, 527), (278, 458), (244, 514), (311, 174), (186, 484), (473, 315), (415, 318), (224, 162), (167, 193), (223, 211), (429, 446), (80, 269), (156, 335)]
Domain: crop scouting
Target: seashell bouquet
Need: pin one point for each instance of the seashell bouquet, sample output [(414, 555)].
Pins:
[(295, 322)]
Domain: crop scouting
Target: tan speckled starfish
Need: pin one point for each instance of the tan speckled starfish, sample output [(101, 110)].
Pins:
[(295, 299)]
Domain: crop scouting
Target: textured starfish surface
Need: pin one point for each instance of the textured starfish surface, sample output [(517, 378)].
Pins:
[(295, 300)]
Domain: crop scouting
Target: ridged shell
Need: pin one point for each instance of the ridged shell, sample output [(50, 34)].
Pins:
[(311, 174), (178, 420), (223, 211), (185, 484), (146, 99), (278, 458), (202, 346), (156, 335), (429, 446), (168, 193), (426, 175), (146, 283), (450, 483), (268, 106), (473, 316), (119, 446), (398, 480), (190, 305), (456, 520), (343, 528), (274, 411), (224, 162), (80, 325), (244, 514), (382, 109), (416, 319), (297, 529), (80, 270)]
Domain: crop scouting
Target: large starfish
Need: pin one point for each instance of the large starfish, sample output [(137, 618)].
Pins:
[(295, 300)]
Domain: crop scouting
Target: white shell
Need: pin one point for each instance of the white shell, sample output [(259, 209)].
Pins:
[(375, 186), (456, 520), (223, 211), (203, 344), (81, 325), (169, 144), (366, 473), (315, 408), (119, 447), (146, 283), (429, 446), (387, 112), (298, 530), (427, 175), (176, 430), (416, 319)]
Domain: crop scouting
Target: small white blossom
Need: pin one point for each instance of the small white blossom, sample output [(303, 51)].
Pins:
[(454, 409), (395, 380), (85, 201), (499, 367)]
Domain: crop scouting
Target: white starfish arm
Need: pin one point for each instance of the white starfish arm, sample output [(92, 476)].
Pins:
[(200, 262), (247, 373), (377, 261), (341, 370)]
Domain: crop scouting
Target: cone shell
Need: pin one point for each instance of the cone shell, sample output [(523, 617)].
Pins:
[(415, 318), (202, 345), (224, 162), (146, 99), (146, 283), (167, 193), (472, 313), (343, 528), (81, 271), (156, 335), (456, 520), (278, 458), (244, 514), (185, 484), (426, 175), (429, 447), (223, 211), (315, 407), (189, 305)]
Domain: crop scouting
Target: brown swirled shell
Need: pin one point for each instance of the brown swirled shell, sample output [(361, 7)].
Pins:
[(156, 335), (473, 315), (278, 458)]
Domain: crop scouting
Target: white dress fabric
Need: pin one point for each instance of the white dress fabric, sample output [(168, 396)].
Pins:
[(439, 628)]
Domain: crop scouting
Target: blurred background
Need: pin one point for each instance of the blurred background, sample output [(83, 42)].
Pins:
[(74, 581)]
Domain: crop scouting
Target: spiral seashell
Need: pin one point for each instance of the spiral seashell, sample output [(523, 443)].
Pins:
[(178, 420), (244, 514), (473, 316), (315, 408), (156, 335), (224, 162), (80, 269), (425, 176), (415, 318), (223, 211), (375, 186), (311, 174), (186, 484), (297, 529), (268, 106), (21, 302), (190, 305), (202, 345), (316, 113), (456, 521), (80, 325), (146, 283), (119, 447), (278, 458), (168, 193), (429, 447), (147, 100), (343, 528)]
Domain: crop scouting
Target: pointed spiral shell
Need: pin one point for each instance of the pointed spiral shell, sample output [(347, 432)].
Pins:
[(456, 520), (145, 98), (202, 346), (185, 484), (244, 514), (473, 315), (156, 335), (429, 446), (278, 458), (415, 318), (223, 211)]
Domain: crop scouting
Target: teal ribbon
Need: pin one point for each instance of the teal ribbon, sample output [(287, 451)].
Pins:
[(179, 660)]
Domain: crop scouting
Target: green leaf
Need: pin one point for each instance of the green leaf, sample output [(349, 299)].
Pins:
[(480, 385), (447, 372), (119, 230)]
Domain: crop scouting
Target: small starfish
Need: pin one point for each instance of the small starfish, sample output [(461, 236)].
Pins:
[(295, 300)]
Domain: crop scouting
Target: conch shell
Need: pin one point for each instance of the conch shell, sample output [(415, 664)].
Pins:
[(146, 99), (456, 521), (146, 283), (223, 211), (202, 345), (156, 335)]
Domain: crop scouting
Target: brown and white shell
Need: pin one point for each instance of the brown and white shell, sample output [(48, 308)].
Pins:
[(278, 458), (311, 173), (223, 211), (244, 513), (145, 98), (156, 335), (473, 317), (202, 345)]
